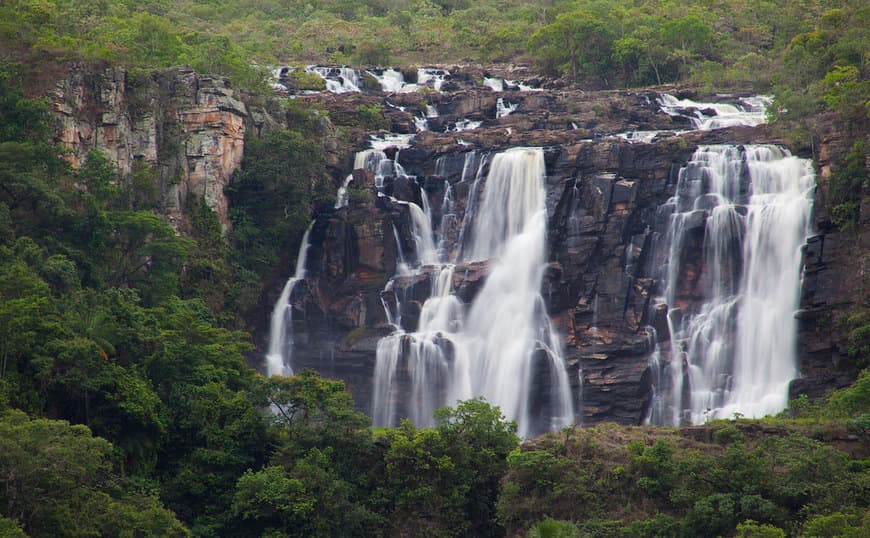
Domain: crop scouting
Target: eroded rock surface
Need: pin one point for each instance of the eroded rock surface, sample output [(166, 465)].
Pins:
[(190, 127)]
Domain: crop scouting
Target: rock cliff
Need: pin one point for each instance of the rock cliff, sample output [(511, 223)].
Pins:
[(190, 127)]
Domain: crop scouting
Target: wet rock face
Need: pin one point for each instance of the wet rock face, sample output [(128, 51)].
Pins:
[(835, 281), (603, 198), (190, 127)]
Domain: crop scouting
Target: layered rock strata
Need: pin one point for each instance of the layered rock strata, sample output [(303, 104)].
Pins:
[(190, 127)]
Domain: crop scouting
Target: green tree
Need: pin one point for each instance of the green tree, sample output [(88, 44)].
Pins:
[(576, 43), (752, 529), (480, 440), (272, 499), (58, 480), (281, 179), (688, 38)]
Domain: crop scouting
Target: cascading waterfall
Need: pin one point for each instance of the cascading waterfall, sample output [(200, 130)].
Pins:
[(495, 84), (337, 79), (421, 229), (393, 81), (503, 109), (376, 161), (432, 75), (502, 345), (735, 352), (464, 125), (280, 354), (341, 195), (751, 113), (500, 85)]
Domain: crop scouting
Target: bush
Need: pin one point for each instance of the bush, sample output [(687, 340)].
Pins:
[(847, 183), (305, 81), (371, 118), (852, 401), (550, 528), (751, 529)]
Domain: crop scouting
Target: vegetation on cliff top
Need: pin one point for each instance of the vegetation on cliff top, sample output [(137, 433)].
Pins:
[(601, 42)]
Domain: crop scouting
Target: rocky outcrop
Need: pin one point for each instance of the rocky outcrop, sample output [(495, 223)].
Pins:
[(836, 282), (190, 127)]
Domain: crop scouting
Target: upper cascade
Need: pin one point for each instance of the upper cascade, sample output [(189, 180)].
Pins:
[(338, 79), (500, 85), (708, 116), (733, 352), (393, 81)]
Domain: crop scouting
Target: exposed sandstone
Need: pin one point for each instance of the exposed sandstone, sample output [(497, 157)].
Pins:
[(190, 127)]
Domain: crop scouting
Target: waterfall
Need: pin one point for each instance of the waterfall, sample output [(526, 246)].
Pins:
[(502, 109), (421, 229), (464, 125), (501, 346), (512, 195), (338, 79), (278, 358), (341, 195), (391, 80), (733, 352), (500, 85), (495, 84), (708, 116), (434, 75)]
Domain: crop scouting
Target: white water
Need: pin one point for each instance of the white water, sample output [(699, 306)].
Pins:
[(341, 196), (384, 141), (511, 197), (500, 85), (735, 352), (495, 84), (432, 76), (421, 122), (464, 125), (642, 136), (504, 342), (392, 80), (502, 109), (752, 112), (421, 228), (338, 79), (375, 160), (280, 354)]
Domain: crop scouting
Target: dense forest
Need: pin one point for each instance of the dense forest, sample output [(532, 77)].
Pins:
[(127, 407)]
